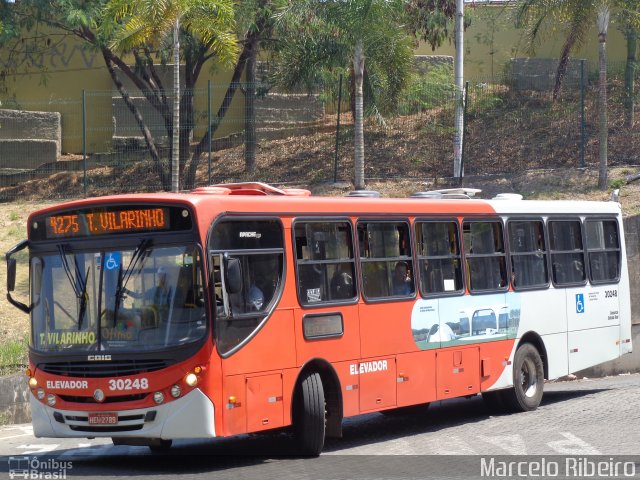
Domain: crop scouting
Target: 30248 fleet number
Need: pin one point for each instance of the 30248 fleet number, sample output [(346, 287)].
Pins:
[(128, 384)]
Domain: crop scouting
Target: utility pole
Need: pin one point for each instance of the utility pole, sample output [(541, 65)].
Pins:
[(175, 140), (459, 74)]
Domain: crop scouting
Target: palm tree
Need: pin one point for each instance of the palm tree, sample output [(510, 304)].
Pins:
[(328, 32), (577, 16), (147, 22)]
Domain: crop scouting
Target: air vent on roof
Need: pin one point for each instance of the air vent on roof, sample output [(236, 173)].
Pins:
[(507, 196), (250, 188), (364, 193), (211, 191), (448, 193), (426, 195)]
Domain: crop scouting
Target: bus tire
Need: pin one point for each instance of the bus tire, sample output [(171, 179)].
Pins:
[(309, 422), (528, 380)]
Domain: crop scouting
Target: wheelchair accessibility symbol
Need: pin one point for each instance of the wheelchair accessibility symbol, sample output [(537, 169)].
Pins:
[(113, 261), (579, 303)]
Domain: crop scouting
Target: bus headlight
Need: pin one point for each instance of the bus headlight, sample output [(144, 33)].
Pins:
[(40, 393), (33, 383), (175, 391), (158, 397), (191, 379), (51, 400)]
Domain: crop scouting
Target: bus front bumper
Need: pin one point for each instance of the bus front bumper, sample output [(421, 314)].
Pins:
[(191, 416)]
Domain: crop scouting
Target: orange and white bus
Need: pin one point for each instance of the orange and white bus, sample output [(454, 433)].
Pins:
[(243, 307)]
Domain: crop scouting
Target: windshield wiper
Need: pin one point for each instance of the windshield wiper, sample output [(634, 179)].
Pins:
[(141, 251), (79, 285)]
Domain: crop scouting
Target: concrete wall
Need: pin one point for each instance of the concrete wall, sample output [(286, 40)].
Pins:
[(29, 139), (492, 39), (27, 154), (540, 73), (632, 240), (14, 399), (18, 125), (425, 62), (278, 110)]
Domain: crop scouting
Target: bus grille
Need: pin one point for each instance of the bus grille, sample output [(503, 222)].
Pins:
[(106, 369), (116, 399)]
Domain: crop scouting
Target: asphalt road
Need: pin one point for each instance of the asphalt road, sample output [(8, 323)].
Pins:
[(585, 421)]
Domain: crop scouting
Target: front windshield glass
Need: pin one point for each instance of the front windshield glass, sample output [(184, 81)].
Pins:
[(122, 300)]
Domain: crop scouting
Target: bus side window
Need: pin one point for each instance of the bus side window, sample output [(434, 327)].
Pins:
[(528, 254), (603, 249), (325, 262), (386, 261), (485, 256), (567, 253), (439, 257)]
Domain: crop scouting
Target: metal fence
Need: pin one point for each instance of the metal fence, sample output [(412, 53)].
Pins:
[(101, 143)]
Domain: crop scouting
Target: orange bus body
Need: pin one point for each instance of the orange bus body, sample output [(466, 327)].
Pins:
[(373, 364)]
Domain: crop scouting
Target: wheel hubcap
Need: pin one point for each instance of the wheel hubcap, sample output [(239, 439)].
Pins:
[(528, 378)]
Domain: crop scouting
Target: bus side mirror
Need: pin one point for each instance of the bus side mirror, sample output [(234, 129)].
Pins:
[(232, 275), (11, 274)]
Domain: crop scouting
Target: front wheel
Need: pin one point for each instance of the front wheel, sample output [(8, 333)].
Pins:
[(528, 380), (309, 415)]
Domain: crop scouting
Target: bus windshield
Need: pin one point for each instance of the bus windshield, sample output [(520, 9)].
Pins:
[(141, 299)]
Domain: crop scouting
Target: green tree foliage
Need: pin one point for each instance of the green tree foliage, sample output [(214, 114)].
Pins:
[(110, 27), (343, 34), (150, 23), (577, 16), (369, 40)]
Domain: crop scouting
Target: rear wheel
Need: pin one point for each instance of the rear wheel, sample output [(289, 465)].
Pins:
[(528, 380), (309, 415)]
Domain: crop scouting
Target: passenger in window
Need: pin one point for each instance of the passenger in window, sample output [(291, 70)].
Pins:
[(402, 282), (246, 302), (156, 295), (255, 298), (342, 284)]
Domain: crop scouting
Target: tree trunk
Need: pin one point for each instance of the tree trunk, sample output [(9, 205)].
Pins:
[(250, 113), (222, 111), (603, 24), (148, 138), (358, 158), (629, 77), (175, 137), (187, 124), (562, 66)]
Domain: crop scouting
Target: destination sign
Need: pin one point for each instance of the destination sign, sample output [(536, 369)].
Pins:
[(110, 221)]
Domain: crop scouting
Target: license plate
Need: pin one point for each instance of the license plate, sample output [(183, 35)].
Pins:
[(103, 418)]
